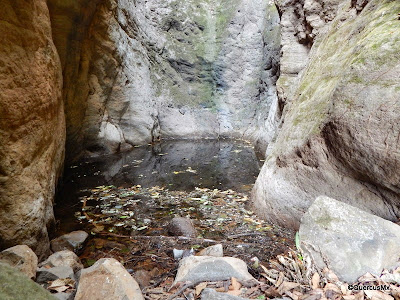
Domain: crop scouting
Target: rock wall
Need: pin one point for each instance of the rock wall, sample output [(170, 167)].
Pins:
[(172, 69), (340, 132), (32, 130)]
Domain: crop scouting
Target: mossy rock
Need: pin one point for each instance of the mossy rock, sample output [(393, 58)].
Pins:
[(16, 286)]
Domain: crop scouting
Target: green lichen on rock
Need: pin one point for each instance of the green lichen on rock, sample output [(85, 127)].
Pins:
[(338, 67), (16, 286)]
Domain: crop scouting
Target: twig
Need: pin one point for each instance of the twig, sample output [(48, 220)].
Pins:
[(182, 289)]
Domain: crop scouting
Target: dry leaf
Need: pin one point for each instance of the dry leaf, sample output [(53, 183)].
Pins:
[(287, 286), (330, 275), (280, 279), (200, 287), (351, 297), (315, 281), (272, 292), (235, 284), (234, 293), (377, 295), (359, 296)]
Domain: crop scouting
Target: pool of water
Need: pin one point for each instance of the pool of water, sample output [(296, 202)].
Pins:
[(174, 165)]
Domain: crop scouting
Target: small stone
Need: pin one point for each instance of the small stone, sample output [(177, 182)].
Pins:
[(107, 279), (210, 294), (180, 226), (71, 241), (215, 250), (208, 268), (348, 240), (22, 258), (45, 275), (64, 296), (143, 277), (64, 258)]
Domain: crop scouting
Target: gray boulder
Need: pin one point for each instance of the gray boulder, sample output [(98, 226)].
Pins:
[(65, 258), (347, 240), (210, 294), (107, 279), (208, 268), (71, 241), (22, 258), (45, 275)]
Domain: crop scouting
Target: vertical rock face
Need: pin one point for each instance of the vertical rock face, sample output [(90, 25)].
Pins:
[(340, 134), (32, 130), (171, 69)]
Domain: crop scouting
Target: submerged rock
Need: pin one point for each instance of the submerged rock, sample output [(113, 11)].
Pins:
[(207, 268), (347, 240), (215, 250), (65, 258), (22, 258), (107, 279), (16, 286), (71, 241), (180, 226)]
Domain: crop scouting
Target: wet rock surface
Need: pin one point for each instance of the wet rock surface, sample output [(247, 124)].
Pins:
[(347, 240), (71, 241)]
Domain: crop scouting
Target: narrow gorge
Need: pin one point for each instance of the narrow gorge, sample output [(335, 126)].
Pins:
[(278, 101)]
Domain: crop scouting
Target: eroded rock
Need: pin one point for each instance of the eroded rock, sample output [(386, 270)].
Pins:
[(339, 137), (347, 240), (107, 279), (32, 129), (22, 258)]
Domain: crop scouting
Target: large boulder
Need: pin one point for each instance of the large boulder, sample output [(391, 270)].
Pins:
[(32, 130), (347, 240), (22, 258), (107, 279), (340, 132), (16, 286)]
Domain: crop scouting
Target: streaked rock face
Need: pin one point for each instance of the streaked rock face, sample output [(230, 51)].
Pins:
[(340, 132), (32, 130), (172, 69)]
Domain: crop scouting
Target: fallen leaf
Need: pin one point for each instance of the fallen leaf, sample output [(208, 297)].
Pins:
[(272, 293), (235, 284), (315, 281), (377, 295), (287, 286), (200, 287)]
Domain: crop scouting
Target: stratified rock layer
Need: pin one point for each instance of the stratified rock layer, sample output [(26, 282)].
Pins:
[(32, 130), (340, 133)]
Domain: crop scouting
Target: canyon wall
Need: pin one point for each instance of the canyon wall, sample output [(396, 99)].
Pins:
[(150, 70), (32, 129), (340, 133)]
